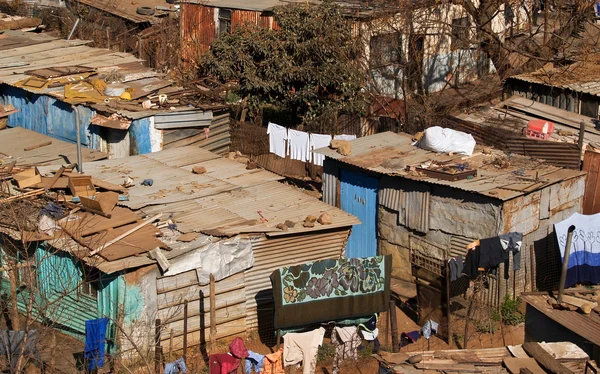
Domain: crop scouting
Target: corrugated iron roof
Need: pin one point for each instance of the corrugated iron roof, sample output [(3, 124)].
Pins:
[(128, 9), (583, 76), (22, 52), (369, 153), (258, 6), (15, 141), (224, 201), (584, 325)]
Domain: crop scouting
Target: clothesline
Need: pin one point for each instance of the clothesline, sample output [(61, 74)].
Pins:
[(299, 144)]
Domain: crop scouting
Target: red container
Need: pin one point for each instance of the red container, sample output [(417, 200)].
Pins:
[(539, 129)]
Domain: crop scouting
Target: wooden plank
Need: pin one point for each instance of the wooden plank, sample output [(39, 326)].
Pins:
[(549, 363), (40, 145), (224, 330), (103, 202), (132, 229), (448, 367), (88, 223), (514, 365), (141, 241), (157, 255), (579, 302), (107, 185)]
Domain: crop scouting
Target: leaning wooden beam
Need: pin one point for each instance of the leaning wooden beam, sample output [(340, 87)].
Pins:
[(125, 234), (23, 196), (545, 359)]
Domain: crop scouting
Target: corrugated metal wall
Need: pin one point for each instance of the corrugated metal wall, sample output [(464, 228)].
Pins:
[(239, 17), (218, 140), (271, 254), (591, 198), (358, 196), (230, 308), (410, 199), (46, 115), (197, 30), (330, 181)]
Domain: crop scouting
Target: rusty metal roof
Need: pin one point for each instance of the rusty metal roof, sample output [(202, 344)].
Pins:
[(584, 325), (224, 201), (369, 153), (128, 9), (582, 76), (17, 144), (257, 6)]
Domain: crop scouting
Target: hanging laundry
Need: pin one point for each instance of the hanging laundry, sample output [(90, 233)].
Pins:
[(176, 367), (471, 265), (302, 347), (430, 327), (512, 242), (255, 362), (491, 253), (584, 256), (223, 363), (344, 137), (299, 145), (238, 348), (456, 267), (95, 340), (410, 337), (273, 363), (277, 137), (11, 346), (370, 332), (319, 141), (346, 342)]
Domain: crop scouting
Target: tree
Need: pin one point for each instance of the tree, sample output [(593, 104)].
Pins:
[(310, 65)]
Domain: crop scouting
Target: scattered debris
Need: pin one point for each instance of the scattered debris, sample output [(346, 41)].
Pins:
[(251, 165), (309, 221), (198, 170), (290, 224), (343, 147), (282, 227), (325, 219)]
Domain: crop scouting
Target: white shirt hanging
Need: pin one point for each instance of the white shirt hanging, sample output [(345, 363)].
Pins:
[(298, 142), (277, 137), (319, 141), (344, 137)]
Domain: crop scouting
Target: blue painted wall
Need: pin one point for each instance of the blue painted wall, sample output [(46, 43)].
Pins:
[(358, 196), (139, 135)]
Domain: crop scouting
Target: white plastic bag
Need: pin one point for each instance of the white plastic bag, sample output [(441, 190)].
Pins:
[(438, 139)]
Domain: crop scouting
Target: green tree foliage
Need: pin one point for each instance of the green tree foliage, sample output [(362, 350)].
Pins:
[(309, 65)]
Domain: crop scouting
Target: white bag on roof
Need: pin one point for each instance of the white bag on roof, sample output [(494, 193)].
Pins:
[(438, 139)]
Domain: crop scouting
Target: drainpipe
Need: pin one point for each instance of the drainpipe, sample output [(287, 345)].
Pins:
[(565, 264), (78, 136)]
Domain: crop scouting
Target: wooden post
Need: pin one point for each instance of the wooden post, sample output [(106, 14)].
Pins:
[(500, 314), (469, 309), (14, 308), (546, 6), (448, 319), (394, 323), (213, 314), (185, 329), (532, 269), (278, 339), (171, 333), (108, 38), (140, 49), (157, 347)]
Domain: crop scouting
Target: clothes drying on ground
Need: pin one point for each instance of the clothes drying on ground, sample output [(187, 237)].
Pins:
[(302, 347), (176, 367), (456, 267), (299, 145), (273, 363), (584, 256), (95, 340), (238, 349), (255, 362), (346, 342), (344, 137), (319, 141), (277, 137), (223, 363)]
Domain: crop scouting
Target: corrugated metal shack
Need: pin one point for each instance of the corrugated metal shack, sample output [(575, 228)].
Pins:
[(422, 220), (40, 71), (220, 207), (574, 88), (203, 21)]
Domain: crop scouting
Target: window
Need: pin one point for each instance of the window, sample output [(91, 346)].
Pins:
[(386, 50), (89, 283), (224, 21), (460, 33)]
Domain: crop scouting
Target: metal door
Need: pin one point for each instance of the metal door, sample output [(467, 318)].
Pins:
[(359, 198)]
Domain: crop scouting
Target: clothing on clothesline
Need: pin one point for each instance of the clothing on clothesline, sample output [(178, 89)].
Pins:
[(344, 137), (223, 363), (409, 337), (491, 253), (238, 349), (430, 327), (371, 324), (11, 346), (512, 242), (273, 363), (255, 362), (319, 141), (584, 256), (176, 367), (471, 264), (456, 267), (346, 342), (302, 347), (95, 340), (277, 137), (298, 145)]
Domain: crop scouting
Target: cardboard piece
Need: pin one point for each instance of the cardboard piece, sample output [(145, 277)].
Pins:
[(81, 185), (188, 237), (28, 178), (514, 365), (103, 201)]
